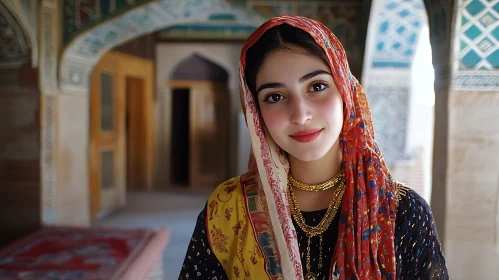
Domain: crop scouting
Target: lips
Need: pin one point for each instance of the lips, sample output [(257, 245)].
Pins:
[(305, 136)]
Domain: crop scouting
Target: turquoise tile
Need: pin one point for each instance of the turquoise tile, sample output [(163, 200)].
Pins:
[(384, 26), (493, 59), (380, 46), (401, 29), (471, 59), (474, 7), (463, 45), (404, 13), (391, 5), (409, 52), (464, 20), (412, 38), (495, 33), (473, 32), (496, 7), (397, 45)]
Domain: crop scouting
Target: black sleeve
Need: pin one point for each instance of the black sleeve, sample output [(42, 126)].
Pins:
[(419, 251), (200, 261)]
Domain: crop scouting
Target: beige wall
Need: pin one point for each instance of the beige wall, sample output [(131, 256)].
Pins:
[(72, 159), (473, 180), (168, 56)]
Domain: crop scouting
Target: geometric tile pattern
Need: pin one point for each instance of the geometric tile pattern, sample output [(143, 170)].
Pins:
[(341, 17), (86, 46), (14, 42), (48, 158), (398, 32), (390, 106), (79, 16), (49, 14), (479, 35)]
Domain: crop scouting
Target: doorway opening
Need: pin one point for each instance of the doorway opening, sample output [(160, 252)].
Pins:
[(180, 152)]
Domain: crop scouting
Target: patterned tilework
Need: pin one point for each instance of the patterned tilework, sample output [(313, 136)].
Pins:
[(341, 17), (48, 159), (49, 109), (14, 42), (390, 126), (398, 33), (79, 16), (48, 46), (479, 35), (84, 50)]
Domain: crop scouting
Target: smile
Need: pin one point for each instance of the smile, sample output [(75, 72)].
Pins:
[(306, 135)]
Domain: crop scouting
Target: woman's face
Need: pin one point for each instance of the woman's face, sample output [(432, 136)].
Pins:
[(300, 104)]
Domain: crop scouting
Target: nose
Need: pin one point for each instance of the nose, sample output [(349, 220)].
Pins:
[(300, 111)]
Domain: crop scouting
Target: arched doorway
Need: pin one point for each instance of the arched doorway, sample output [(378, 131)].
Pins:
[(87, 32), (199, 136), (121, 130), (398, 57)]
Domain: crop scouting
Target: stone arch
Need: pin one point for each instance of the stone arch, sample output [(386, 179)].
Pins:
[(65, 85), (393, 36), (85, 50), (198, 68), (19, 40)]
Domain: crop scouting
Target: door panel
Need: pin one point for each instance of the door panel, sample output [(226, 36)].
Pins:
[(208, 135), (113, 78), (106, 139)]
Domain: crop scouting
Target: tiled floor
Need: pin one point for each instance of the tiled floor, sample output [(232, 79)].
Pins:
[(177, 211)]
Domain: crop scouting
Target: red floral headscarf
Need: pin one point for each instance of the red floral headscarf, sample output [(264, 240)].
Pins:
[(365, 246)]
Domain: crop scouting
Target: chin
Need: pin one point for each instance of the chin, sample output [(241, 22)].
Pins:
[(308, 155)]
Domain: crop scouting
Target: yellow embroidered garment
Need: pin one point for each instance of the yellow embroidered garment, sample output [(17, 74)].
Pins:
[(231, 235)]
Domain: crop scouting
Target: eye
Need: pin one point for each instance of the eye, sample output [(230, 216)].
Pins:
[(318, 87), (273, 98)]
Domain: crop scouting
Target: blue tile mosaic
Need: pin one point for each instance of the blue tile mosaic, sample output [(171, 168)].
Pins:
[(471, 59), (493, 59), (473, 32), (474, 7)]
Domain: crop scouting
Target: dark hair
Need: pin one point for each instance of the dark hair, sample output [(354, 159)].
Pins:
[(280, 37)]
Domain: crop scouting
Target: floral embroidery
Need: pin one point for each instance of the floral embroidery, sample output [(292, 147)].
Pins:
[(213, 209), (219, 240), (236, 228), (228, 213), (236, 271), (230, 189)]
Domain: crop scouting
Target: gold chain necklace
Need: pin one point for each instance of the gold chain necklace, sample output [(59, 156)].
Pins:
[(321, 227), (320, 186)]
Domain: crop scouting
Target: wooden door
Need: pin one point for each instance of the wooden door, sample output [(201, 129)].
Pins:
[(208, 134), (107, 158)]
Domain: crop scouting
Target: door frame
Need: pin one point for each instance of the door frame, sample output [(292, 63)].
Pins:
[(122, 66), (221, 100)]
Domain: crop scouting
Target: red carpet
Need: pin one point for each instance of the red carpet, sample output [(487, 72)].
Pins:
[(82, 253)]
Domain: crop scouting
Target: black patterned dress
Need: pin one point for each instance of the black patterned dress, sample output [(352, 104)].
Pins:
[(419, 252)]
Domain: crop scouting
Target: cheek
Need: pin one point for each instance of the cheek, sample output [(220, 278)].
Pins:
[(331, 110), (275, 120)]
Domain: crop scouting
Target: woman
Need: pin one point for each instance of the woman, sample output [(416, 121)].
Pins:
[(318, 201)]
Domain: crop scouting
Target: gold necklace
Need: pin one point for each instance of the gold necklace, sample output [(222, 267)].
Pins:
[(320, 186), (321, 227)]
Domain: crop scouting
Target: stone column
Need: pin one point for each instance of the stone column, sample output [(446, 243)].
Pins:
[(392, 39), (472, 200)]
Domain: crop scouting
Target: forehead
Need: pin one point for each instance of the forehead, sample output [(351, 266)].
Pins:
[(285, 65)]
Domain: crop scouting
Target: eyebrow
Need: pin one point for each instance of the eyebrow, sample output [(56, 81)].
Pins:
[(301, 80)]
